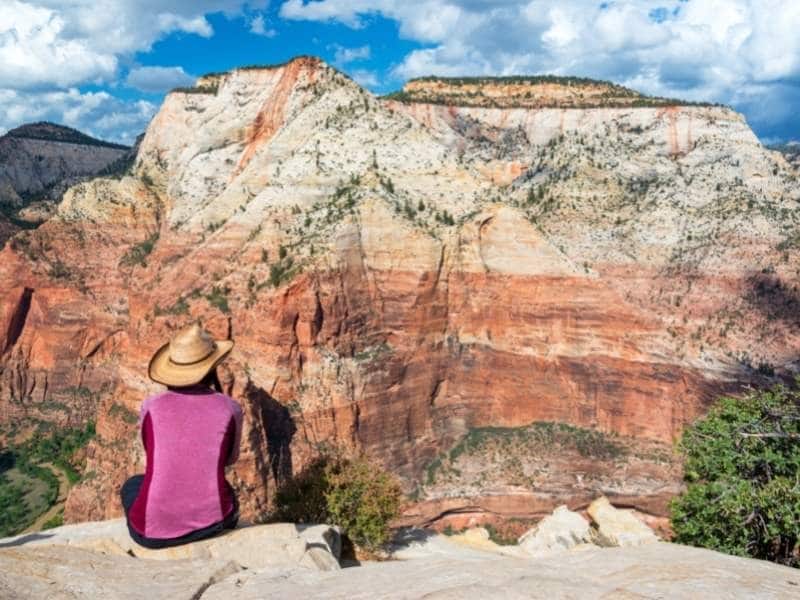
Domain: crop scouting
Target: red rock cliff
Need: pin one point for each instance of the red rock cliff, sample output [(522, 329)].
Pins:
[(398, 275)]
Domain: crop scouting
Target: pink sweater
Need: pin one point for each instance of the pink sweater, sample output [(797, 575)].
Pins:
[(189, 437)]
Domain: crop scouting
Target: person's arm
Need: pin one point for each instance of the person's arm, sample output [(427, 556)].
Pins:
[(233, 456), (142, 413)]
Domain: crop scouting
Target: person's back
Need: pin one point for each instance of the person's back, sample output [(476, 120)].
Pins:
[(189, 437), (190, 433)]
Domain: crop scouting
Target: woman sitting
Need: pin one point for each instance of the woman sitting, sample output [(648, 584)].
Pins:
[(190, 433)]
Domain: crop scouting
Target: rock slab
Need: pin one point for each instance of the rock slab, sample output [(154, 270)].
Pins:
[(617, 527), (562, 530), (79, 562), (256, 547), (659, 570)]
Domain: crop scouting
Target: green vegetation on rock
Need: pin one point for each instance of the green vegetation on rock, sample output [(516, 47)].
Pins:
[(218, 297), (24, 494), (353, 493), (742, 469), (512, 444), (614, 95), (138, 253), (28, 487), (200, 89), (51, 132), (55, 521)]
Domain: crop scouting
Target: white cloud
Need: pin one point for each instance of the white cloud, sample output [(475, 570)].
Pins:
[(745, 52), (258, 26), (347, 55), (158, 79), (49, 47), (424, 20), (58, 44), (34, 50), (197, 24), (365, 78), (97, 113)]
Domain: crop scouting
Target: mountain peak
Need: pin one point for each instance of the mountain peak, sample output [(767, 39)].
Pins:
[(209, 83), (526, 91), (53, 132)]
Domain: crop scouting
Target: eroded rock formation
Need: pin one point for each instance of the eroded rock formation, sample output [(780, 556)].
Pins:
[(397, 274), (38, 162)]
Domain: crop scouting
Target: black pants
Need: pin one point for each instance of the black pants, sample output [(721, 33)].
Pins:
[(128, 493)]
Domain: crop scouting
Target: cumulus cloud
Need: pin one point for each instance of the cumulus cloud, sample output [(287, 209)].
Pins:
[(50, 47), (744, 52), (55, 43), (35, 50), (158, 79), (258, 26), (424, 20), (344, 55), (365, 78), (97, 113)]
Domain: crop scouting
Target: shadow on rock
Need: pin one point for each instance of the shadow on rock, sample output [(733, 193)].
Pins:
[(774, 298), (24, 539), (279, 427)]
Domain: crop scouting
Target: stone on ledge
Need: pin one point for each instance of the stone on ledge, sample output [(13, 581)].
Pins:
[(618, 527), (562, 530)]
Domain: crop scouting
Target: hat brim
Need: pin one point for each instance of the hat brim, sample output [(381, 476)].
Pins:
[(163, 370)]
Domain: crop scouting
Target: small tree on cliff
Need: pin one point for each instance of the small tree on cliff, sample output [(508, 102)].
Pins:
[(351, 492), (742, 468)]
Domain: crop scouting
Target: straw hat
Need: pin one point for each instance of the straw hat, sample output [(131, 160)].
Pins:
[(188, 357)]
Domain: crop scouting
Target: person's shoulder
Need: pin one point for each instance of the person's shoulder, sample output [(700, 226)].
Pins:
[(232, 404), (153, 399)]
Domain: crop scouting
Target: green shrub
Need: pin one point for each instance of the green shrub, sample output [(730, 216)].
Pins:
[(120, 411), (302, 498), (352, 493), (218, 297), (14, 513), (59, 445), (138, 253), (211, 89), (363, 499), (59, 270), (180, 307), (501, 538), (742, 468), (282, 271), (54, 521)]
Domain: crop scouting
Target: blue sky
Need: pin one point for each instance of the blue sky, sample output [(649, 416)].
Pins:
[(103, 66)]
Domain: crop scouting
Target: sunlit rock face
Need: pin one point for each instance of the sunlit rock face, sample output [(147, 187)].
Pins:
[(398, 274), (39, 162)]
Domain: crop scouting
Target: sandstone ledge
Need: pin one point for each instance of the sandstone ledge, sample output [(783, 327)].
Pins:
[(93, 561), (250, 547)]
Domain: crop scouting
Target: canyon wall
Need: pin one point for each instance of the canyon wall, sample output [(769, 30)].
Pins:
[(38, 162), (400, 274)]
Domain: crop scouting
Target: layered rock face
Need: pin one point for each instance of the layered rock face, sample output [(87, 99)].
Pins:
[(38, 162), (400, 274), (524, 92), (791, 151)]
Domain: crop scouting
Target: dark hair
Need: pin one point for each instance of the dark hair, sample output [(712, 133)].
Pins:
[(211, 380)]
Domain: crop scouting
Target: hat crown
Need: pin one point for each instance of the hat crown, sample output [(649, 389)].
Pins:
[(190, 345)]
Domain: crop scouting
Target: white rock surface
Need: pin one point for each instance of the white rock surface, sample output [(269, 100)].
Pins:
[(256, 547), (62, 566), (617, 527), (59, 572), (562, 530), (654, 571)]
